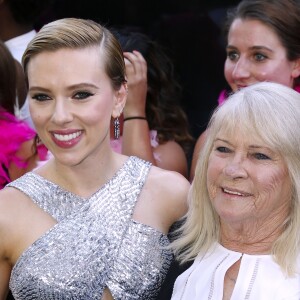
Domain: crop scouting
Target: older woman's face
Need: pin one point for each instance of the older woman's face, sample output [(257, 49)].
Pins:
[(247, 181), (255, 54)]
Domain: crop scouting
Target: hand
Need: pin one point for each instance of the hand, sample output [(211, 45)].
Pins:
[(136, 73)]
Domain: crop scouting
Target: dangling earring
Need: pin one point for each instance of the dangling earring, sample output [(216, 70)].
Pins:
[(116, 128)]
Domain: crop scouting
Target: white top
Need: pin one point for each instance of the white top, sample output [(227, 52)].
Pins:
[(17, 46), (259, 278)]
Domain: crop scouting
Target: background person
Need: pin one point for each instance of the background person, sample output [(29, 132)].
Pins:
[(161, 135), (18, 151), (18, 25), (263, 44)]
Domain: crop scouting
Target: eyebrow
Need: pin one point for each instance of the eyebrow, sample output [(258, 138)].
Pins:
[(71, 87), (253, 48), (82, 85), (37, 88), (250, 146)]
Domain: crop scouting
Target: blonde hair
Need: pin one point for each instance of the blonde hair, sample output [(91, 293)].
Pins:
[(75, 33), (270, 111)]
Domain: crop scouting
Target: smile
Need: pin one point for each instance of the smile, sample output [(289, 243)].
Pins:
[(67, 137), (235, 192)]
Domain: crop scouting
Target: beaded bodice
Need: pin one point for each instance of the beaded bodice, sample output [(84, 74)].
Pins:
[(95, 244)]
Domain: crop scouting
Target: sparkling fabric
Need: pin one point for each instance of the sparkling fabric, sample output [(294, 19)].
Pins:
[(95, 243)]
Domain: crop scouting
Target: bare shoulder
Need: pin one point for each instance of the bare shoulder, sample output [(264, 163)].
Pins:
[(170, 190), (13, 204), (10, 209), (171, 182), (22, 221), (11, 196), (10, 202), (15, 209), (16, 214)]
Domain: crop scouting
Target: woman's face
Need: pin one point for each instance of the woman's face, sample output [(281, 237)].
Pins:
[(248, 183), (72, 102), (255, 54)]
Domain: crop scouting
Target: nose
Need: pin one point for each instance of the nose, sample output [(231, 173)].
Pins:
[(62, 113), (241, 70), (235, 169)]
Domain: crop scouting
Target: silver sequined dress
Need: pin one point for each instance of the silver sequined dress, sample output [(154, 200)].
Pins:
[(95, 243)]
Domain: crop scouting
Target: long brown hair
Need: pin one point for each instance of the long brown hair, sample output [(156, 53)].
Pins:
[(163, 110)]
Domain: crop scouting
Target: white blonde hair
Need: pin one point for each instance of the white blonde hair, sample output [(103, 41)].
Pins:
[(270, 111)]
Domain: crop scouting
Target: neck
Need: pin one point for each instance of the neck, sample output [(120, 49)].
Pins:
[(252, 239), (85, 178)]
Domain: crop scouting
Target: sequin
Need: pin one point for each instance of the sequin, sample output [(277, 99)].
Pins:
[(95, 244)]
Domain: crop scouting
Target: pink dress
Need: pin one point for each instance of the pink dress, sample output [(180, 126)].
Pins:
[(13, 133)]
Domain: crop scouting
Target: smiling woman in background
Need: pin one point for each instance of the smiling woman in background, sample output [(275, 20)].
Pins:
[(263, 44)]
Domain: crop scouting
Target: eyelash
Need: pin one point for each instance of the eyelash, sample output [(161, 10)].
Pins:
[(262, 56), (234, 56), (40, 97), (83, 95), (223, 149), (259, 156), (77, 95), (230, 55)]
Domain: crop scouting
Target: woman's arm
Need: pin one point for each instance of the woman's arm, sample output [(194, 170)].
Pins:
[(136, 137)]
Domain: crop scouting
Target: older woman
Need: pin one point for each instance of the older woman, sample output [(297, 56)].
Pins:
[(242, 227)]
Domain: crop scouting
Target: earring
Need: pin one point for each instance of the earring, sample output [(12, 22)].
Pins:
[(116, 128)]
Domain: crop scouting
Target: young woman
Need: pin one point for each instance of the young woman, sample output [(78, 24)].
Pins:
[(90, 223)]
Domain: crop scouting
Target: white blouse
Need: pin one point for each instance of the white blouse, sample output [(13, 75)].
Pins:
[(259, 278)]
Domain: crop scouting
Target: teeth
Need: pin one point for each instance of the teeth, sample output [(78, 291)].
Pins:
[(67, 137), (232, 192)]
